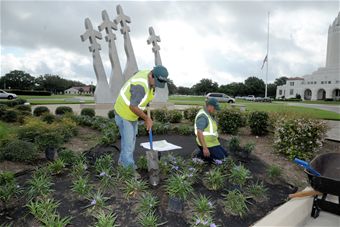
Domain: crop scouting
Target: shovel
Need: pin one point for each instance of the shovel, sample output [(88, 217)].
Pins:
[(153, 166)]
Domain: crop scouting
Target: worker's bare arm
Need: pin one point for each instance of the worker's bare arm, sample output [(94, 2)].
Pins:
[(140, 113), (200, 137)]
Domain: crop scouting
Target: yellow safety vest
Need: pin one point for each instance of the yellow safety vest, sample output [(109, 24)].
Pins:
[(210, 132), (122, 105)]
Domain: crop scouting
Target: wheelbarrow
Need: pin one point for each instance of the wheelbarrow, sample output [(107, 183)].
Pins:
[(328, 183)]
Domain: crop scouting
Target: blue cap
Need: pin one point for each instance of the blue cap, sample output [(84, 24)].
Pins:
[(160, 73)]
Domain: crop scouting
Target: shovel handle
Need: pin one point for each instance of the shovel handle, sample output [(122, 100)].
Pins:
[(150, 139)]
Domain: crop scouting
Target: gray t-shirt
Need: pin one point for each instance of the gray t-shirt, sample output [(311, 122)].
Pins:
[(137, 94), (202, 122)]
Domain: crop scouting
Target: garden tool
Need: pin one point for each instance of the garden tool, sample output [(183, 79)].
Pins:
[(152, 159), (306, 165)]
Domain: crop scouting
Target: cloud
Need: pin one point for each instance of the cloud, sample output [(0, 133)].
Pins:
[(224, 41)]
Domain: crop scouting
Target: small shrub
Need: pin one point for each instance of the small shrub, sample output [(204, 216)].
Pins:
[(79, 168), (48, 118), (299, 137), (257, 191), (160, 129), (67, 127), (133, 187), (104, 164), (174, 116), (147, 203), (40, 185), (177, 186), (274, 172), (249, 147), (142, 130), (203, 205), (259, 123), (214, 179), (24, 108), (190, 113), (239, 175), (160, 115), (106, 220), (230, 121), (234, 144), (124, 173), (61, 110), (111, 114), (235, 203), (50, 138), (32, 128), (10, 116), (40, 110), (6, 177), (88, 112), (98, 200), (184, 130), (148, 220), (57, 166), (19, 150), (110, 134), (82, 187), (9, 191), (67, 156)]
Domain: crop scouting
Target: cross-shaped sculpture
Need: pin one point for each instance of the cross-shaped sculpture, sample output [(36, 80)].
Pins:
[(108, 26), (92, 35), (123, 20), (154, 39)]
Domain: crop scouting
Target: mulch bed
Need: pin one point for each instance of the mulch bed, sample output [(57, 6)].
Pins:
[(277, 193)]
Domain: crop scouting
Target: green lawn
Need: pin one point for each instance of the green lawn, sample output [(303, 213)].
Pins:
[(54, 99), (6, 129), (268, 107), (51, 101)]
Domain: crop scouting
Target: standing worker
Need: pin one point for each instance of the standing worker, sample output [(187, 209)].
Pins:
[(133, 98), (206, 133)]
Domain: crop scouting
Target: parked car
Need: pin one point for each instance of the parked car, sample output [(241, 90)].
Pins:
[(221, 97), (6, 95), (250, 98)]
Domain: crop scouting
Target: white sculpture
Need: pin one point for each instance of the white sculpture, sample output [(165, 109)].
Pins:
[(161, 94)]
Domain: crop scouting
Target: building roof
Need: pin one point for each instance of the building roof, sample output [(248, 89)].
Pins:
[(295, 78), (85, 88)]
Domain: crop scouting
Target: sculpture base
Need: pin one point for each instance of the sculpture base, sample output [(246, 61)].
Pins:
[(160, 105)]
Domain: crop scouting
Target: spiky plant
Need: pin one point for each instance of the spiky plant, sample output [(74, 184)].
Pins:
[(79, 168), (228, 165), (107, 182), (239, 175), (202, 221), (257, 191), (274, 172), (8, 191), (104, 164), (106, 220), (98, 199), (124, 173), (133, 187), (39, 186), (147, 203), (6, 177), (149, 220), (68, 156), (82, 187), (142, 163), (235, 203), (203, 205), (57, 166), (178, 187), (214, 179)]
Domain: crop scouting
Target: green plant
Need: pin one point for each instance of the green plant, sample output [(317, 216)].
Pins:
[(203, 205), (199, 220), (228, 165), (40, 110), (234, 144), (88, 112), (104, 164), (133, 187), (6, 177), (160, 128), (235, 203), (61, 110), (79, 168), (32, 128), (98, 199), (124, 173), (178, 187), (274, 172), (257, 191), (230, 120), (19, 150), (49, 138), (259, 122), (160, 115), (299, 137), (82, 187), (142, 130), (214, 179), (10, 116), (110, 133), (39, 185), (249, 147), (190, 113), (149, 220), (67, 156), (106, 220), (142, 163), (239, 175), (9, 190), (48, 118), (24, 108), (174, 116), (57, 166), (184, 130), (147, 203), (111, 114)]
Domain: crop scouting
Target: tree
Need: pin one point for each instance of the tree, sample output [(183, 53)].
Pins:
[(280, 81), (184, 91), (55, 83), (205, 86), (17, 79), (234, 89), (172, 87), (255, 86), (271, 90)]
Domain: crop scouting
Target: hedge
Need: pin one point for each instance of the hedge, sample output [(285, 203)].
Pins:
[(28, 92)]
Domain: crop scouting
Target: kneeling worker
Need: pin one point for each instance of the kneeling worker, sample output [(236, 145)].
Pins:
[(133, 98), (206, 133)]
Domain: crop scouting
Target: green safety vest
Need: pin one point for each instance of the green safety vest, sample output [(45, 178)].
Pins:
[(122, 105), (210, 132)]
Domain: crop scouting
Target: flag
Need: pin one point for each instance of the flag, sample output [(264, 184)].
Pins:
[(264, 61)]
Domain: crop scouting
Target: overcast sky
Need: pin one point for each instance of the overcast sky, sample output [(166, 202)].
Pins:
[(224, 41)]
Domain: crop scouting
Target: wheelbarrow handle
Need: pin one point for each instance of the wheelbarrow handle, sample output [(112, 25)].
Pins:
[(306, 165)]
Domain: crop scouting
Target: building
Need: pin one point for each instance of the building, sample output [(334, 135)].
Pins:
[(79, 90), (324, 83)]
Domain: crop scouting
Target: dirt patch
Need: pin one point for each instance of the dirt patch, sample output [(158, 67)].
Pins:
[(85, 140)]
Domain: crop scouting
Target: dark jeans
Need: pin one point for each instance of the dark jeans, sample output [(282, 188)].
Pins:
[(216, 152)]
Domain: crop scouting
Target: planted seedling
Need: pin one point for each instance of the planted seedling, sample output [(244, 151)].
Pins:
[(190, 173), (274, 172), (124, 173), (257, 191), (235, 203), (133, 186), (8, 191), (203, 205), (79, 168), (142, 163), (202, 221), (104, 164), (147, 203), (228, 165), (39, 185), (82, 187), (239, 175), (6, 177), (106, 220), (214, 179), (106, 181), (67, 156), (247, 150), (234, 144), (149, 220), (98, 200), (57, 166)]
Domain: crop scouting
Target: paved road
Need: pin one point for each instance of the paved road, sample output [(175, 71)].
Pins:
[(333, 108)]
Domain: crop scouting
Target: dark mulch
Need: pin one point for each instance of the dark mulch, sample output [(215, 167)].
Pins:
[(70, 205)]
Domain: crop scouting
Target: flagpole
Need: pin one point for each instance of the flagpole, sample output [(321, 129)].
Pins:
[(265, 93)]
